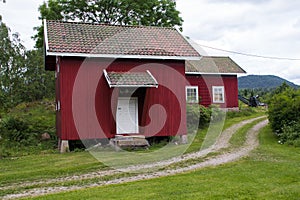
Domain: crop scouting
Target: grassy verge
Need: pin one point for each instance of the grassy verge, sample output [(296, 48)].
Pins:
[(229, 121), (233, 120), (39, 167), (270, 172), (239, 138)]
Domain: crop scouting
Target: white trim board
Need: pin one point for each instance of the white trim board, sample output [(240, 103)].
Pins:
[(46, 35), (115, 56), (216, 73)]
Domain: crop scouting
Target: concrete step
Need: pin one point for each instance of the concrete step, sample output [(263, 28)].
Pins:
[(130, 141)]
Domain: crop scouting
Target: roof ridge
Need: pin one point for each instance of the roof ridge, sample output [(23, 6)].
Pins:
[(113, 25)]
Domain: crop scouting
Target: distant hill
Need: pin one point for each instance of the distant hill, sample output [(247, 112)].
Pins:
[(262, 81)]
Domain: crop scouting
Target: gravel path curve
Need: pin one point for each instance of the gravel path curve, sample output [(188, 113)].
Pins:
[(222, 142)]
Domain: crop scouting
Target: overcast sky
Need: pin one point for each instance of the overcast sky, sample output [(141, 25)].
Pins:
[(260, 27)]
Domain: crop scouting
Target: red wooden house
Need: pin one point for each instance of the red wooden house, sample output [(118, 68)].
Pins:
[(113, 80), (117, 79), (213, 80)]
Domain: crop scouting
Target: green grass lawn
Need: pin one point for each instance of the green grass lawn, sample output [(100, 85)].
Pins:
[(53, 165), (36, 167), (272, 171)]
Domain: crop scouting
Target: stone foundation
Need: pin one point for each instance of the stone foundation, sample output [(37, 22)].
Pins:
[(63, 146)]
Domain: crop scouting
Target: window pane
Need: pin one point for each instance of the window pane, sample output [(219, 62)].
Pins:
[(218, 94), (192, 95)]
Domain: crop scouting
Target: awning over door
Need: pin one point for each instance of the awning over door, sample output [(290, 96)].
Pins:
[(130, 79)]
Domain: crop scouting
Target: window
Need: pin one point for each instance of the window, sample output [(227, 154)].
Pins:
[(192, 94), (218, 94)]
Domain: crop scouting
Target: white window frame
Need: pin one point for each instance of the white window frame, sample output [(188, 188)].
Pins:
[(214, 94), (197, 94)]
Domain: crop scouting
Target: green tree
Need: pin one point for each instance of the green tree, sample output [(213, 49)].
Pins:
[(52, 10), (39, 83), (116, 12), (246, 93), (283, 87), (22, 74), (11, 66)]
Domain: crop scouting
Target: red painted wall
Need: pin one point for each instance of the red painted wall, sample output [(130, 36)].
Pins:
[(88, 105), (205, 83)]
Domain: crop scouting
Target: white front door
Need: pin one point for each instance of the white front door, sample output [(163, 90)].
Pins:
[(127, 115)]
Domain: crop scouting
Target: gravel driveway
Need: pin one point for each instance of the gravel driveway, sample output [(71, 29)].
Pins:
[(224, 157)]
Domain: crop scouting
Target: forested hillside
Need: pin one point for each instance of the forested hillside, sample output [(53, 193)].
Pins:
[(262, 81)]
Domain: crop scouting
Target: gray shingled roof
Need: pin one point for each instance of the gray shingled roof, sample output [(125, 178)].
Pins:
[(213, 65), (130, 79), (101, 40)]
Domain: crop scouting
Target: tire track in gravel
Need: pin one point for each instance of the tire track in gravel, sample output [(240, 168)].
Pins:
[(222, 142)]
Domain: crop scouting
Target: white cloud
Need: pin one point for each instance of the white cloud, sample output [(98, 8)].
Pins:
[(261, 27), (21, 17)]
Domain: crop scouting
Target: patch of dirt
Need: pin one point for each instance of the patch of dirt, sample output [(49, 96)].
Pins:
[(222, 142)]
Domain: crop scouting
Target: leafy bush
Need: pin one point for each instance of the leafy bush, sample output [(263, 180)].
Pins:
[(192, 116), (284, 108), (284, 115), (217, 114), (14, 130), (291, 134), (197, 116), (22, 127), (205, 116)]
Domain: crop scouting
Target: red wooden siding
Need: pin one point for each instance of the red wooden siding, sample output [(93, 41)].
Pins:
[(205, 83), (88, 105)]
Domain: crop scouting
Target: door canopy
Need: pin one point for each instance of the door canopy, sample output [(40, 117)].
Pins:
[(130, 79)]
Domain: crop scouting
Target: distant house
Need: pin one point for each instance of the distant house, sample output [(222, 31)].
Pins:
[(126, 80), (213, 80)]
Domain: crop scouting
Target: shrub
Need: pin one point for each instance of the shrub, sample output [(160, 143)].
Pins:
[(216, 113), (197, 117), (4, 152), (22, 127), (291, 134), (284, 108), (284, 115), (205, 116), (14, 129)]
